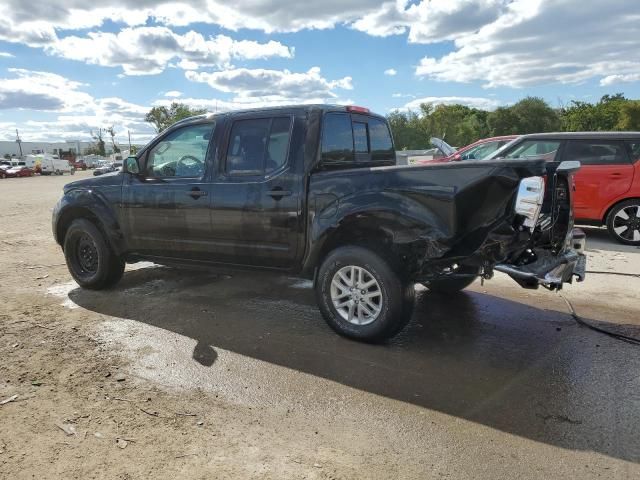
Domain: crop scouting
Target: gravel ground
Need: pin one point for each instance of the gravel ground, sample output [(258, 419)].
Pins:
[(235, 375)]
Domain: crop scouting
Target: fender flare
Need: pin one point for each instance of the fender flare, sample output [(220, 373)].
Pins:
[(88, 204)]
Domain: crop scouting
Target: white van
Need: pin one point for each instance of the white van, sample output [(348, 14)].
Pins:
[(54, 165)]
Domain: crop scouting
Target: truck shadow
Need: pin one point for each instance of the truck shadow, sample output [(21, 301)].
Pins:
[(523, 370)]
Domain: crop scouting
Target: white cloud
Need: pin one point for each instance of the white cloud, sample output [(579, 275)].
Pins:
[(430, 21), (391, 72), (613, 79), (534, 42), (75, 113), (149, 50), (32, 90), (173, 94), (474, 102), (6, 55), (261, 85)]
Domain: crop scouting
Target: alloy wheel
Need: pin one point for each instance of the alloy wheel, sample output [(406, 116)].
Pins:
[(356, 295), (626, 223)]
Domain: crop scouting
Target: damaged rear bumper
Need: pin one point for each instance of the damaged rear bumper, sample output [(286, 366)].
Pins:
[(551, 271)]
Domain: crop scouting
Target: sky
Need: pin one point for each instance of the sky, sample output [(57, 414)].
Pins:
[(68, 67)]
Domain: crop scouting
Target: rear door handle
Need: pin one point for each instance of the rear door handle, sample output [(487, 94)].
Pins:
[(277, 193), (615, 174), (196, 193)]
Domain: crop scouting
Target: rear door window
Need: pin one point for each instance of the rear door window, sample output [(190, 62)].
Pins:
[(258, 146), (634, 149), (589, 152)]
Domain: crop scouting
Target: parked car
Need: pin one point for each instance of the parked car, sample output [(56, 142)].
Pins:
[(79, 164), (314, 191), (474, 151), (608, 184), (104, 168), (16, 171)]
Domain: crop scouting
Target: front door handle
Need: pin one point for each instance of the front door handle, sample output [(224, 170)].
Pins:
[(278, 192), (196, 193)]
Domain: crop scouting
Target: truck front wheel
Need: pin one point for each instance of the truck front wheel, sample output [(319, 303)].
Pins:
[(89, 257), (360, 295)]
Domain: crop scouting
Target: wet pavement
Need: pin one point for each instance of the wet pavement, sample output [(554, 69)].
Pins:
[(495, 356)]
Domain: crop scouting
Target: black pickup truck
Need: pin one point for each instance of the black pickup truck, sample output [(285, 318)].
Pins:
[(315, 191)]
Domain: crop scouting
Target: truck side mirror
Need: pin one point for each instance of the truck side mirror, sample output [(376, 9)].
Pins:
[(130, 165)]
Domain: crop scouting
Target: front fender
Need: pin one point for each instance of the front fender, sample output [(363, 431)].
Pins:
[(92, 204)]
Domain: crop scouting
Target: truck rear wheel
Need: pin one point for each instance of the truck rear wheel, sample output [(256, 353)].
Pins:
[(360, 295), (89, 257)]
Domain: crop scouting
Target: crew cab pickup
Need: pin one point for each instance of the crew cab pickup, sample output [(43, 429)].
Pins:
[(315, 191)]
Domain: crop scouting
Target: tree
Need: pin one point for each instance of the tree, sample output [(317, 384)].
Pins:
[(112, 133), (97, 137), (602, 116), (629, 118), (534, 115), (162, 117)]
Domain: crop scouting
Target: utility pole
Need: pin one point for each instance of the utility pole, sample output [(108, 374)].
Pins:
[(19, 142), (129, 133)]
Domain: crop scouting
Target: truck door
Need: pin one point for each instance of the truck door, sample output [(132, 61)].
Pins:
[(606, 174), (256, 212), (167, 209)]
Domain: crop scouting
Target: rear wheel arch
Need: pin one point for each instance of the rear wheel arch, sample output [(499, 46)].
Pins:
[(605, 217), (378, 239)]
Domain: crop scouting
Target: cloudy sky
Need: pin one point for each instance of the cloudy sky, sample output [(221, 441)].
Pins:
[(69, 66)]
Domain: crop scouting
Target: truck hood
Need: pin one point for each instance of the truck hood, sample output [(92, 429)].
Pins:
[(108, 179)]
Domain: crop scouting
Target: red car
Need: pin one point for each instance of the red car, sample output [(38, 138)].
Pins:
[(78, 164), (16, 172), (474, 151), (608, 183)]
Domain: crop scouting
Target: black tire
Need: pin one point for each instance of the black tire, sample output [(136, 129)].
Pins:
[(614, 221), (89, 257), (396, 304), (453, 284)]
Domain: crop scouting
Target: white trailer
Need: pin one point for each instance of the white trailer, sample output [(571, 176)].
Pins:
[(54, 165)]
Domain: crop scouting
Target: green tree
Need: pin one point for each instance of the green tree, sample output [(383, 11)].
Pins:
[(534, 115), (162, 117), (602, 116), (406, 131), (629, 118), (502, 121)]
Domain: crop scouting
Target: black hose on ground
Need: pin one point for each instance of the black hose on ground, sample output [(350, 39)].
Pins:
[(601, 272), (581, 321)]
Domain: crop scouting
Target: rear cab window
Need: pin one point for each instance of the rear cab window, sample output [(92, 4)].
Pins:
[(350, 140)]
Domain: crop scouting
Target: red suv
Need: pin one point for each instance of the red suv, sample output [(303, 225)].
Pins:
[(607, 185)]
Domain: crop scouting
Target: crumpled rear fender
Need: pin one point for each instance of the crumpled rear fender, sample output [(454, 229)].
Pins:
[(437, 213)]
